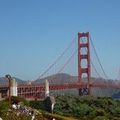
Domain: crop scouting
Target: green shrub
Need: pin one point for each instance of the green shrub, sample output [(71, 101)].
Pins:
[(3, 107), (101, 118), (87, 107), (13, 116), (36, 104), (57, 117), (116, 111)]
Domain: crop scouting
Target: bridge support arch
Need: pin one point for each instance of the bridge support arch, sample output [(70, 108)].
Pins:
[(84, 54)]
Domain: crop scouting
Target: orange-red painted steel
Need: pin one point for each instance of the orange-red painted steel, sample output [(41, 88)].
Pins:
[(84, 43), (37, 91)]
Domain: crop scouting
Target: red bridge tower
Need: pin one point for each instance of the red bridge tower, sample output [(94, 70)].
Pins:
[(84, 57)]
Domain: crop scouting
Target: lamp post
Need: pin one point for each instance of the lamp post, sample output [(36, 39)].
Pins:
[(9, 78)]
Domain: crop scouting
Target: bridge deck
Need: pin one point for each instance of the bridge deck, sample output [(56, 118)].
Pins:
[(36, 90)]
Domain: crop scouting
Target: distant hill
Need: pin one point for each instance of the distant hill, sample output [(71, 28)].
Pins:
[(66, 78), (4, 81), (58, 79), (62, 78)]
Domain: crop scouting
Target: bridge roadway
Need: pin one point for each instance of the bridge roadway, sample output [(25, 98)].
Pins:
[(29, 91)]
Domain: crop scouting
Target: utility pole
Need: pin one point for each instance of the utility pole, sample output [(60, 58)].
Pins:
[(9, 78)]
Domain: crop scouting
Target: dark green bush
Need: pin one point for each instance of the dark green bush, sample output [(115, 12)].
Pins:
[(3, 107), (87, 107), (36, 104), (101, 118)]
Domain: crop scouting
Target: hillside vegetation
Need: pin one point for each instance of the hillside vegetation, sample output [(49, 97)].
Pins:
[(68, 107), (88, 108), (84, 108)]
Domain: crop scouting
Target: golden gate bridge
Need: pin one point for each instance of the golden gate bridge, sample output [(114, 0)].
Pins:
[(84, 86)]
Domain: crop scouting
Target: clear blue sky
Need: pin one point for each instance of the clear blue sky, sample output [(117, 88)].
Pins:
[(34, 32)]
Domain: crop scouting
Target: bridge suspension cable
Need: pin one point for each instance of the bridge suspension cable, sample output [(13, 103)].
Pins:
[(67, 62), (93, 66), (58, 59), (98, 59)]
